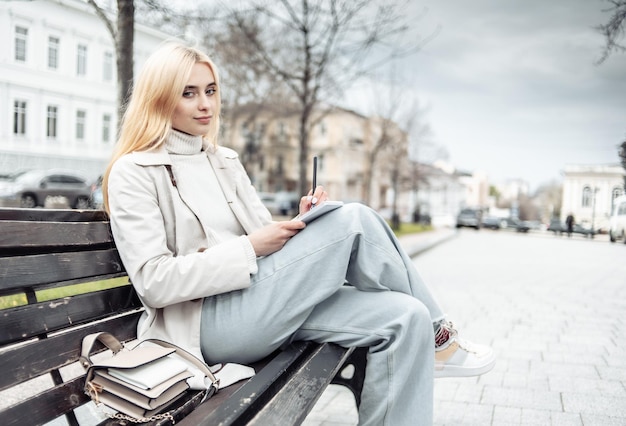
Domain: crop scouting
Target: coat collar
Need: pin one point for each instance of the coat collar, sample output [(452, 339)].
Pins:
[(226, 176), (153, 157)]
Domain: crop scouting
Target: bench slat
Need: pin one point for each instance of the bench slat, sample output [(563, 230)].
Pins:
[(33, 320), (251, 398), (37, 357), (53, 215), (23, 271), (35, 237), (298, 396), (41, 408)]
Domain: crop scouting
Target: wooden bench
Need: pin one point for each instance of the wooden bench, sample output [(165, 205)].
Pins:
[(45, 250)]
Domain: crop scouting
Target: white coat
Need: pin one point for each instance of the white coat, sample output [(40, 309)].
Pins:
[(173, 260)]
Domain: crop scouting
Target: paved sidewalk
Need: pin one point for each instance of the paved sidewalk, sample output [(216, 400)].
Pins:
[(558, 330)]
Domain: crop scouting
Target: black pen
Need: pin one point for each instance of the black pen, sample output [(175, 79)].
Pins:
[(314, 179)]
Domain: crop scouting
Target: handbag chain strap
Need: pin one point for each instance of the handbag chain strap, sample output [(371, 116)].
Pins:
[(119, 416), (93, 391)]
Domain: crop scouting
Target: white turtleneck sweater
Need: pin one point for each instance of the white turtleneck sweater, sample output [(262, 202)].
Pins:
[(196, 179)]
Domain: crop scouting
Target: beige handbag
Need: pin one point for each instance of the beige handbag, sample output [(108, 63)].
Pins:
[(140, 382)]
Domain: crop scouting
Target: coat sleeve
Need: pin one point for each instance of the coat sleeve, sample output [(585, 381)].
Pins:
[(161, 276)]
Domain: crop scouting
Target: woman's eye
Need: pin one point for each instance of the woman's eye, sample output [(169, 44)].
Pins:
[(187, 94), (211, 91)]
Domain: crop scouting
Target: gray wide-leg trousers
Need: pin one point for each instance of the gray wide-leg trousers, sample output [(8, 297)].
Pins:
[(343, 279)]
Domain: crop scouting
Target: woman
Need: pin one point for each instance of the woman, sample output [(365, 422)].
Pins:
[(219, 278)]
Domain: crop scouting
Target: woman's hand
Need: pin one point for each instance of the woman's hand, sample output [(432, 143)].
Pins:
[(312, 199), (273, 237)]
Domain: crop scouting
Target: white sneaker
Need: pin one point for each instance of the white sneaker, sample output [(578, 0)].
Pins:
[(460, 358)]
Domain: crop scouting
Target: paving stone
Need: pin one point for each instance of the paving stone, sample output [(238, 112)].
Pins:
[(566, 419), (531, 416), (582, 385), (522, 398), (595, 404), (612, 373), (560, 369), (600, 420), (505, 416)]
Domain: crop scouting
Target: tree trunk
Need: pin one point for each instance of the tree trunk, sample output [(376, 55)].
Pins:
[(304, 150), (124, 44), (395, 217)]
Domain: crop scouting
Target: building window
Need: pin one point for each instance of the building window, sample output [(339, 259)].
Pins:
[(617, 192), (322, 127), (586, 200), (21, 39), (80, 124), (81, 60), (19, 117), (106, 128), (51, 128), (280, 165), (107, 70), (53, 52)]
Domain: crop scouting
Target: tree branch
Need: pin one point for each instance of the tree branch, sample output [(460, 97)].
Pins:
[(103, 16), (613, 30)]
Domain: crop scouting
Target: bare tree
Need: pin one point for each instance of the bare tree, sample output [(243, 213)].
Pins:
[(614, 29), (405, 170), (317, 48), (398, 151), (549, 196), (122, 32), (400, 128)]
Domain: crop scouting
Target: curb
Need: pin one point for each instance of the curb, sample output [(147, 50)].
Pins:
[(417, 244)]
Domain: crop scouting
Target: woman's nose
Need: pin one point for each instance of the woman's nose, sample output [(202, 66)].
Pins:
[(204, 102)]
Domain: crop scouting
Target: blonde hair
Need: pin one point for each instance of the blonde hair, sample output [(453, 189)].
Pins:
[(157, 90)]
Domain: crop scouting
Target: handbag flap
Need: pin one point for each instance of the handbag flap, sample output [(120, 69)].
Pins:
[(134, 358), (150, 375), (112, 384)]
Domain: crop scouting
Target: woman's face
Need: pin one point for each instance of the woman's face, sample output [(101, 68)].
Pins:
[(197, 103)]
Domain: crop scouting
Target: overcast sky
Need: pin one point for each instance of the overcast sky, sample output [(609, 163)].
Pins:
[(512, 87)]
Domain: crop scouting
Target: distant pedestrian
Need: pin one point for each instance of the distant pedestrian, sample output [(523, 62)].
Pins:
[(569, 223)]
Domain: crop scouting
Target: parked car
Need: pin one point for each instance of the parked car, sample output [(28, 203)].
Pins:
[(617, 226), (30, 189), (491, 222), (514, 223), (288, 203), (556, 226), (281, 203), (494, 222), (470, 218), (269, 200), (5, 177), (559, 227), (96, 199)]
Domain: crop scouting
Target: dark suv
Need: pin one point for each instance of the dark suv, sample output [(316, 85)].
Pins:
[(31, 188), (470, 218)]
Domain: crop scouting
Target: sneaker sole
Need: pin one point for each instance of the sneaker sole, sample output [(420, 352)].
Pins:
[(456, 371)]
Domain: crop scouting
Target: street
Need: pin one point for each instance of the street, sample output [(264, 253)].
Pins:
[(553, 310)]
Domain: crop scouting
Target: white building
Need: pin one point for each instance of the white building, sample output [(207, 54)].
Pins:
[(58, 105), (589, 191), (444, 193)]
